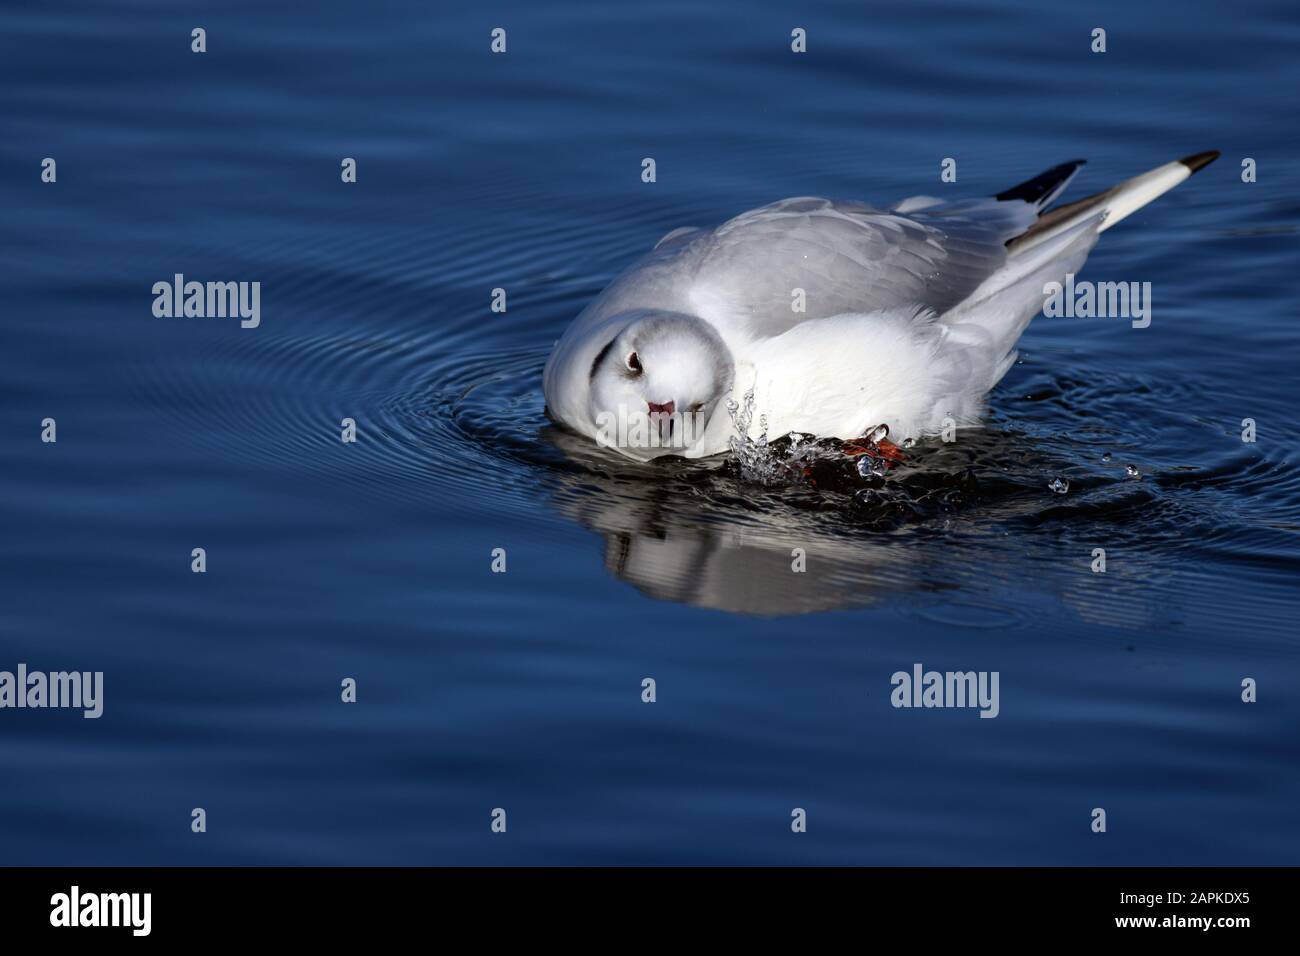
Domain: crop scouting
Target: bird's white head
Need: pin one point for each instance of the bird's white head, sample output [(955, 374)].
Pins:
[(657, 383)]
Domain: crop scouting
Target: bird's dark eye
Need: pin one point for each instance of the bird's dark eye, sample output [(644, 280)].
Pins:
[(633, 363)]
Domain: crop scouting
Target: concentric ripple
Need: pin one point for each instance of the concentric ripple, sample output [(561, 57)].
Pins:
[(442, 393)]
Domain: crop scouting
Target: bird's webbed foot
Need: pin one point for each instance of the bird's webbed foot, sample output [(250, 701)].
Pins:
[(876, 444)]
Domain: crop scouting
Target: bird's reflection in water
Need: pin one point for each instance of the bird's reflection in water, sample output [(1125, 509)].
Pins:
[(686, 532), (973, 519)]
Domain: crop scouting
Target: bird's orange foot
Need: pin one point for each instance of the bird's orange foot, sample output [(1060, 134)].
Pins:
[(880, 447), (891, 451)]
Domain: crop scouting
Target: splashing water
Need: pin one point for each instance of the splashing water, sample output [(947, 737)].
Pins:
[(754, 456), (784, 461), (861, 469), (797, 458)]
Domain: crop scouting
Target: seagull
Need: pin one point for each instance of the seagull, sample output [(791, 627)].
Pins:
[(829, 318)]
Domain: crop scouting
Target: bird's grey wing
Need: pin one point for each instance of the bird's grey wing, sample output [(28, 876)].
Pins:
[(847, 257)]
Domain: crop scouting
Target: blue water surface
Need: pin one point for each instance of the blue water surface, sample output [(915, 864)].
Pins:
[(523, 690)]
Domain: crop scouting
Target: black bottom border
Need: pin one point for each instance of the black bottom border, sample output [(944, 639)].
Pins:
[(368, 904)]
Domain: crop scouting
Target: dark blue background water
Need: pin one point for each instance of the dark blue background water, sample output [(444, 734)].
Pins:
[(522, 690)]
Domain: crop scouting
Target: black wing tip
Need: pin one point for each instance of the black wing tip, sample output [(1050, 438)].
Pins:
[(1033, 190), (1199, 161)]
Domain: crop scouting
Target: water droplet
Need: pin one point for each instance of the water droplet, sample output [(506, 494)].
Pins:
[(869, 466), (909, 442), (878, 434), (869, 498), (1131, 471), (1106, 457), (1059, 485)]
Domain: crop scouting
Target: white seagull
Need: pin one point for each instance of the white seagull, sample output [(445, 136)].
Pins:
[(837, 317)]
